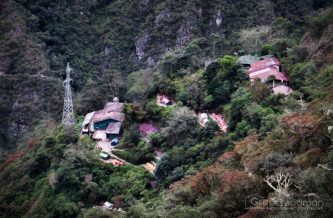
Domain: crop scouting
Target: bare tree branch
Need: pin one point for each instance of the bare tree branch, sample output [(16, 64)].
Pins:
[(325, 167), (280, 183)]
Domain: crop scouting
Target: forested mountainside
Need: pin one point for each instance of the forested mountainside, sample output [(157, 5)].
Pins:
[(275, 147), (103, 38)]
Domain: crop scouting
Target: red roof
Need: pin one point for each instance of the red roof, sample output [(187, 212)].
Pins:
[(114, 107), (102, 115), (264, 74), (220, 121), (113, 128), (148, 128), (163, 99), (264, 63)]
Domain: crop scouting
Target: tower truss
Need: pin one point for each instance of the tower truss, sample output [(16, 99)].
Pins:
[(68, 112)]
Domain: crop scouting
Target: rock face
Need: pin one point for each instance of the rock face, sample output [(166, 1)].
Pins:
[(320, 48), (150, 62), (25, 98), (161, 17), (186, 32), (28, 87), (143, 4), (140, 45)]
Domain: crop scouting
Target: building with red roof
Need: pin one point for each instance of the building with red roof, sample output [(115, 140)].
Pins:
[(268, 62), (265, 73), (107, 120), (264, 69), (270, 67), (163, 100), (117, 116), (114, 107), (113, 130)]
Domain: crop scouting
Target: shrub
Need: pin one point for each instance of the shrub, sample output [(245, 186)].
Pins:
[(270, 163)]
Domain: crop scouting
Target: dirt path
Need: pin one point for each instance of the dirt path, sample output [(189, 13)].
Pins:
[(105, 146)]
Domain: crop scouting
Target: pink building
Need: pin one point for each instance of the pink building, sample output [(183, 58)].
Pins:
[(265, 73)]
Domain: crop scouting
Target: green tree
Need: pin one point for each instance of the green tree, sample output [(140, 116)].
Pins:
[(223, 79), (243, 128), (163, 168), (182, 127), (141, 84), (239, 100)]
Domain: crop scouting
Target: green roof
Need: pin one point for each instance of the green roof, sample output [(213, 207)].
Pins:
[(248, 59)]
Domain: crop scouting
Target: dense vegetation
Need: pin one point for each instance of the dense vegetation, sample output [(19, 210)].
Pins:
[(103, 39), (204, 172)]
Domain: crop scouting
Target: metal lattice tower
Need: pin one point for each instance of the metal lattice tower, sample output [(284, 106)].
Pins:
[(68, 112)]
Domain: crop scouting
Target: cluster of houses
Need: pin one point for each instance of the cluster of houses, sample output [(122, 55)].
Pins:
[(104, 124), (266, 68)]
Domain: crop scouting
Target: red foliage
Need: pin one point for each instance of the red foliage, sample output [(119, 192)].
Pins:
[(310, 158), (14, 157), (11, 158), (242, 146), (230, 155), (302, 124), (235, 177), (202, 182)]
